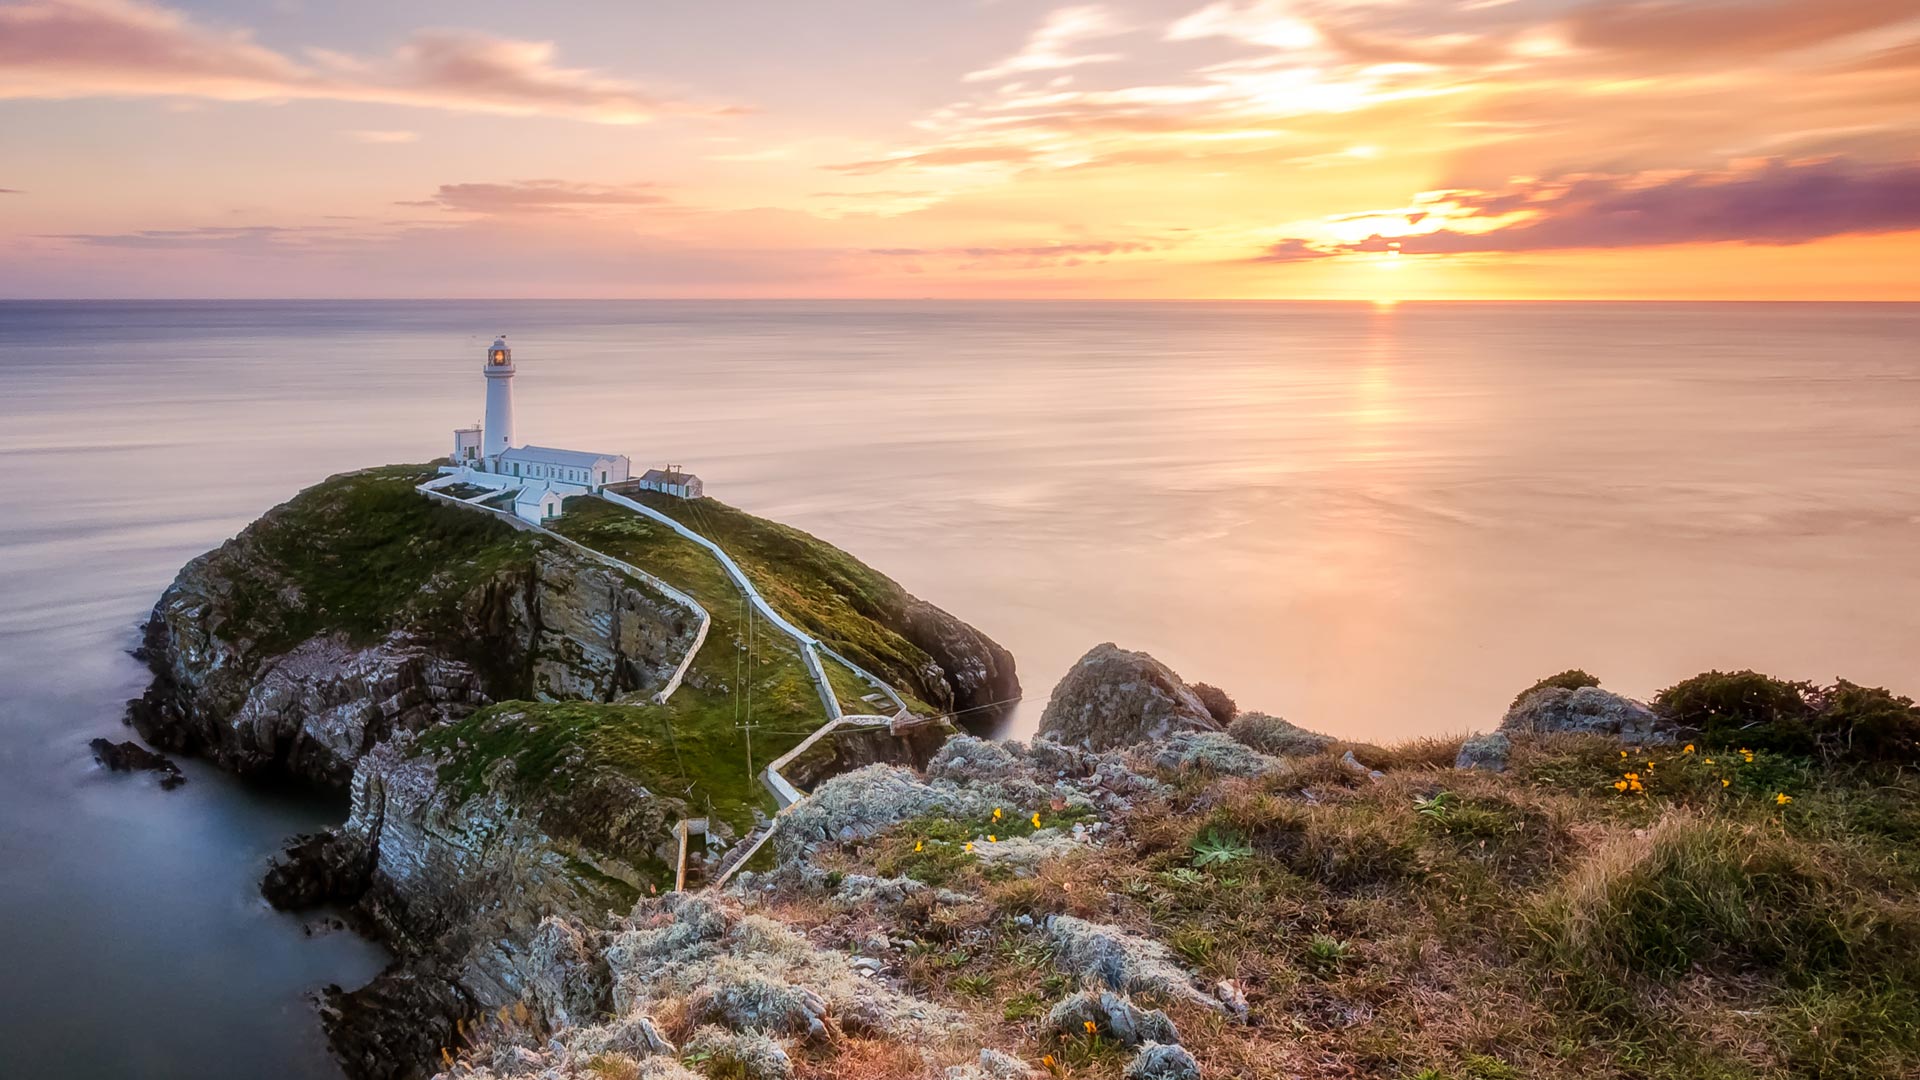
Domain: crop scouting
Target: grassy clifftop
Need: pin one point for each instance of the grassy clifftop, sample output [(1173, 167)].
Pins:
[(857, 610), (361, 552)]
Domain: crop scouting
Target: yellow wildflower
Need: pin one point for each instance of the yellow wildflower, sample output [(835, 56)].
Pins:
[(996, 813), (1619, 785), (1036, 819), (1089, 1026), (1623, 753), (1635, 785), (1687, 749), (919, 845), (969, 846), (1633, 776), (992, 839), (1047, 1061), (1782, 799), (1707, 760), (1724, 781)]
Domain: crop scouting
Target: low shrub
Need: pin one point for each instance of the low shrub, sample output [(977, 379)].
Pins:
[(1845, 722), (1570, 679), (1219, 706), (1743, 708)]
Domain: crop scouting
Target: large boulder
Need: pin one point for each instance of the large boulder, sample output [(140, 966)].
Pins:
[(1588, 710), (1114, 697)]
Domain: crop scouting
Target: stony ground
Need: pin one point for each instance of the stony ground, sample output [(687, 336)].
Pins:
[(1594, 890)]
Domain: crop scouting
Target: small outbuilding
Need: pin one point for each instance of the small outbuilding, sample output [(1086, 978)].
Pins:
[(672, 480)]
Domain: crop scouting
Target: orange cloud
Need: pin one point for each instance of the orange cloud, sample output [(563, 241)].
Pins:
[(128, 48)]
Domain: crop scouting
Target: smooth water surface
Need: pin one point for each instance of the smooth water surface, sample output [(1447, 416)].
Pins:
[(1378, 522)]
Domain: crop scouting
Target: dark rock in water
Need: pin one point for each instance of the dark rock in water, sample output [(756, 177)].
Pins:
[(132, 757), (1114, 697), (393, 1028), (317, 868)]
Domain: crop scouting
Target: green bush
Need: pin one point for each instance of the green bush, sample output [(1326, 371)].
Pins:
[(1868, 724), (1570, 679), (1842, 722), (1743, 708)]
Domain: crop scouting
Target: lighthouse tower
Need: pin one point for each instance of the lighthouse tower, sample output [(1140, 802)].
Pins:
[(498, 432)]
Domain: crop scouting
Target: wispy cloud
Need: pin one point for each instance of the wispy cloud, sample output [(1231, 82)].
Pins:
[(945, 156), (538, 196), (382, 138), (1769, 202), (235, 240), (1696, 30), (129, 48), (1058, 44)]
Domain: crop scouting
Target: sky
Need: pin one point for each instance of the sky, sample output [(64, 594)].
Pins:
[(1376, 150)]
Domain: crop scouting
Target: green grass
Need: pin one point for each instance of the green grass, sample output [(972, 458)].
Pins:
[(705, 718), (363, 552), (820, 588)]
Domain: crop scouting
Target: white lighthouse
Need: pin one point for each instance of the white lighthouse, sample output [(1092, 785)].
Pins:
[(532, 482), (498, 431)]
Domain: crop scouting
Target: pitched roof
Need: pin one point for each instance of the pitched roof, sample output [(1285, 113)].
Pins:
[(547, 455), (531, 495), (661, 476)]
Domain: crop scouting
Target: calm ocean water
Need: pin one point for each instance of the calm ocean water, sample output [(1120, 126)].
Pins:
[(1378, 522)]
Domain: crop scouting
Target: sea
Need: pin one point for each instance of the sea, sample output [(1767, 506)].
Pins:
[(1376, 521)]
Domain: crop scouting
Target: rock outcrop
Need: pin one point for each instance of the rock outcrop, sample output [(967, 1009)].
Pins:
[(1114, 697), (359, 608), (1588, 710)]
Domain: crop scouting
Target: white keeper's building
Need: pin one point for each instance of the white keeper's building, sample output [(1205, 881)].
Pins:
[(539, 477)]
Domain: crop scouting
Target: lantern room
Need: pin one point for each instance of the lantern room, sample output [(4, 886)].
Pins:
[(498, 355)]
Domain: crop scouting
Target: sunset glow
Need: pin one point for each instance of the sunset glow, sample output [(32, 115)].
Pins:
[(1352, 149)]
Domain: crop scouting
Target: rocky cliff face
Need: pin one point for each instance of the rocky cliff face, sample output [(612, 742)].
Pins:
[(270, 657)]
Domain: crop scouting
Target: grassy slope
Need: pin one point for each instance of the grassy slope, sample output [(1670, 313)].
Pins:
[(702, 718), (1446, 925), (820, 588)]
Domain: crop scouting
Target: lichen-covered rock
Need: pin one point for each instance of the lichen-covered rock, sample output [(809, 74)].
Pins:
[(750, 1055), (1588, 710), (749, 973), (1158, 1061), (1488, 752), (1113, 697), (866, 802), (1103, 955), (966, 758), (1112, 1015), (566, 978), (1272, 735), (1214, 753)]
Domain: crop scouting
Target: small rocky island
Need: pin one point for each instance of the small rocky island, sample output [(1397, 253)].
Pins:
[(615, 824)]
